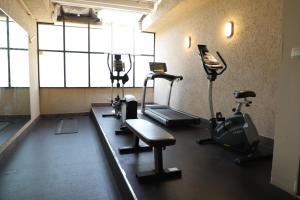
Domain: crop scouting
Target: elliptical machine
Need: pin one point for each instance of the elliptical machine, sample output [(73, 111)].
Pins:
[(125, 107), (237, 133)]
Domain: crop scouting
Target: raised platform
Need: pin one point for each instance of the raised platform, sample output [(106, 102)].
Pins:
[(208, 171)]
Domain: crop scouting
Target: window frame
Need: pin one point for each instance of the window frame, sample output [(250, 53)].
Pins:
[(8, 49), (88, 52)]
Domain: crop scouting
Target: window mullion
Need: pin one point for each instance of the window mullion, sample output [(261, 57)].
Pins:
[(89, 55), (8, 52), (64, 50)]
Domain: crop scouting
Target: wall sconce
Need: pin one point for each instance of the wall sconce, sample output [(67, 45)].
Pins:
[(187, 42), (229, 29)]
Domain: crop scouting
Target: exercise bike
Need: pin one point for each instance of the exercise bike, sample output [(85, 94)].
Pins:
[(237, 133), (125, 107)]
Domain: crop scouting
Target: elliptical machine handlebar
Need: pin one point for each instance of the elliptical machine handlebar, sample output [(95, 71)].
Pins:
[(124, 78)]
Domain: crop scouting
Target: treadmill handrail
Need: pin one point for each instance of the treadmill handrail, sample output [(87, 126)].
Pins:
[(152, 76), (163, 75)]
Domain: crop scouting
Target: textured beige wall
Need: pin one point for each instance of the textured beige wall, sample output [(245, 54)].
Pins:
[(77, 100), (14, 101), (253, 55), (285, 171)]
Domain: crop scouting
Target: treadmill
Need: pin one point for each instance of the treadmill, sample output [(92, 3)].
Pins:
[(164, 114)]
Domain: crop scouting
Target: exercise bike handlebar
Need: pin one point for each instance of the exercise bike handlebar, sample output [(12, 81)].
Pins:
[(224, 63), (211, 65)]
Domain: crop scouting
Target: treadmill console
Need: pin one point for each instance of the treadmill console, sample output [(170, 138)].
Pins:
[(157, 67)]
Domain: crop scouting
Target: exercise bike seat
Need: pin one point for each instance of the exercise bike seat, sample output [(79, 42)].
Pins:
[(244, 94)]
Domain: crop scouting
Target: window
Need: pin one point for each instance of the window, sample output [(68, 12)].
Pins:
[(77, 70), (3, 31), (51, 69), (76, 38), (78, 58), (142, 69), (14, 68), (144, 43), (4, 69), (49, 31), (17, 36), (19, 72), (122, 40), (100, 40), (99, 71)]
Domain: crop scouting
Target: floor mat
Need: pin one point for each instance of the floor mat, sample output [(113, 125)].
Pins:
[(66, 126)]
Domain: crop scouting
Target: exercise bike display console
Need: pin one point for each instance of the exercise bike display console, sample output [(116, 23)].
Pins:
[(237, 132), (164, 113)]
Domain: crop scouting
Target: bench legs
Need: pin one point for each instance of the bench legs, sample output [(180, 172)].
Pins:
[(159, 172), (136, 148)]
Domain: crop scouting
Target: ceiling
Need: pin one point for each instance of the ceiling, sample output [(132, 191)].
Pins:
[(42, 10), (144, 6)]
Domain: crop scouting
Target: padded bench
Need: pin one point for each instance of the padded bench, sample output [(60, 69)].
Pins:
[(155, 137)]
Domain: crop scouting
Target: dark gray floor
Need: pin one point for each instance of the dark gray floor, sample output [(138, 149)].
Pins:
[(208, 171), (62, 167), (14, 124)]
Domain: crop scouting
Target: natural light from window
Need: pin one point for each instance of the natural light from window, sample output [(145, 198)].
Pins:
[(119, 17), (82, 61)]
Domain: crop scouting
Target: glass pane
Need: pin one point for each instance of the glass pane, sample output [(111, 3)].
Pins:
[(100, 76), (51, 69), (76, 39), (17, 36), (100, 40), (3, 33), (50, 37), (3, 69), (122, 39), (77, 70), (19, 68), (142, 69), (144, 43)]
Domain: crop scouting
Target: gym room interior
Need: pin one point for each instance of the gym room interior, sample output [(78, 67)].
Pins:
[(149, 99)]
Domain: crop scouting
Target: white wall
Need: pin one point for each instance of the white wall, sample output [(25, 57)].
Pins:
[(285, 171)]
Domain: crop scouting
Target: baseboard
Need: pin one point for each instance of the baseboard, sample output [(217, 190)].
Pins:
[(7, 148)]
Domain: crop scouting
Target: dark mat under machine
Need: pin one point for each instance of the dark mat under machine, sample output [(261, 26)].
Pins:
[(66, 126)]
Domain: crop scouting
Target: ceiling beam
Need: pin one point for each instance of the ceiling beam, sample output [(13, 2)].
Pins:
[(143, 6)]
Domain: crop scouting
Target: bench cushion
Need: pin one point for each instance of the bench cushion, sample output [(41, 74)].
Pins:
[(150, 133)]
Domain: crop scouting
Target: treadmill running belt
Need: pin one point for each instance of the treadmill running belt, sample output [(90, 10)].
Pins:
[(170, 114)]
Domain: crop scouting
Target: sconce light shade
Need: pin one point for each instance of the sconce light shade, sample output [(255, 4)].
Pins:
[(229, 29), (187, 42)]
